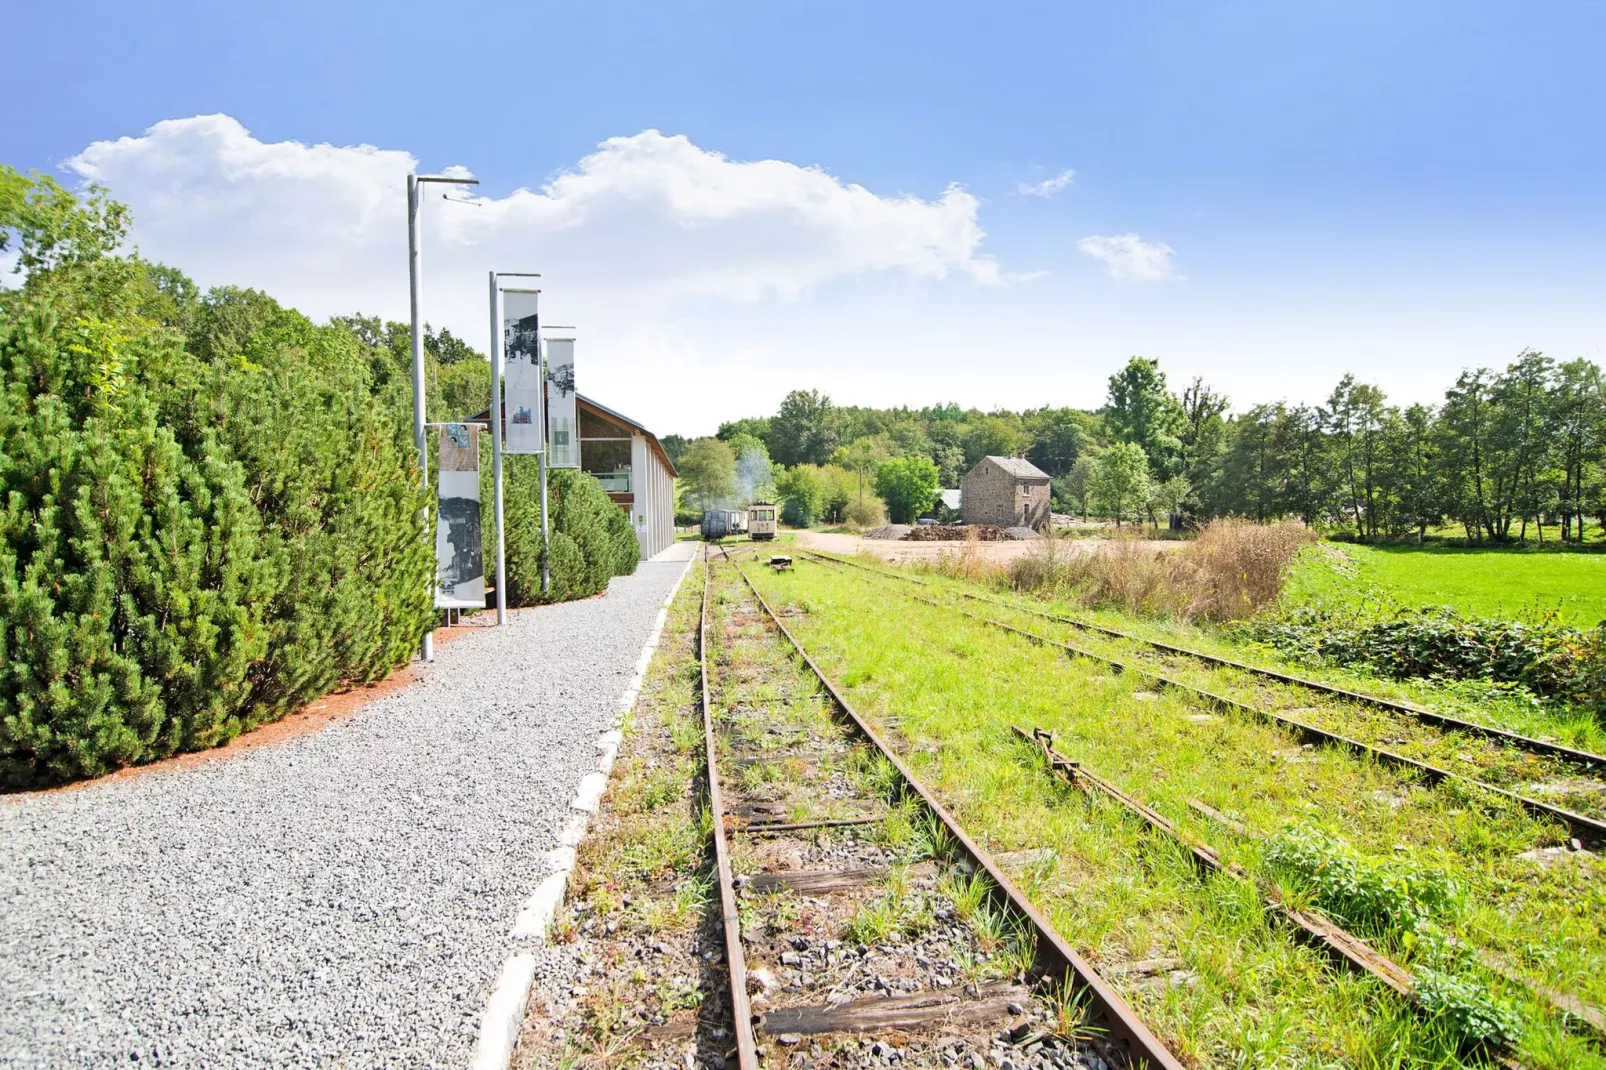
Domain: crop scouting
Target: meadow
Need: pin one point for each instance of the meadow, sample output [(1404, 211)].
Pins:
[(1475, 582)]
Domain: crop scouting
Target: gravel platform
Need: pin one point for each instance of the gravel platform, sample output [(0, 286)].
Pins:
[(341, 899)]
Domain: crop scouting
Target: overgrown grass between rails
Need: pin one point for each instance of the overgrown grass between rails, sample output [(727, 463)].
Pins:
[(1121, 894), (1497, 705)]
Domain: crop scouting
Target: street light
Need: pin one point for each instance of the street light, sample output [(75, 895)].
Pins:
[(414, 271)]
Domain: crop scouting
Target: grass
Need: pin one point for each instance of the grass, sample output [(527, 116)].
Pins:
[(1478, 582), (1121, 893)]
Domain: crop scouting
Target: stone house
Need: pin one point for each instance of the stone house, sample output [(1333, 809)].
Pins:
[(1007, 491)]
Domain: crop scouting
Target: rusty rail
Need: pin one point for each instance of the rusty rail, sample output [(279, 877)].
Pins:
[(1343, 946), (1581, 826), (1052, 948), (1583, 758), (735, 961)]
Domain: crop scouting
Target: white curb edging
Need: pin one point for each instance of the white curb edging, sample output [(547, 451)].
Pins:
[(504, 1011)]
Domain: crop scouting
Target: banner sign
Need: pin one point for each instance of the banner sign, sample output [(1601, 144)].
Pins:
[(459, 559), (521, 346), (563, 425)]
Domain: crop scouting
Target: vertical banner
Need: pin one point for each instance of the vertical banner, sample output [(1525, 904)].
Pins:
[(459, 559), (521, 346), (563, 425)]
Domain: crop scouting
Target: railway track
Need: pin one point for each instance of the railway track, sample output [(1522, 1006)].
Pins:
[(1583, 827), (862, 925)]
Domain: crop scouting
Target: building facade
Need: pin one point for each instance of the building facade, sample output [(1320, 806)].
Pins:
[(630, 463), (1006, 491), (633, 468)]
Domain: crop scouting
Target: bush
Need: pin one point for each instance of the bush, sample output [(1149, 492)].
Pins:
[(866, 512), (1548, 659), (189, 548), (592, 540), (908, 485)]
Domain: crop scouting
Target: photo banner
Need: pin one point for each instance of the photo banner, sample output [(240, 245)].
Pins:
[(459, 559), (521, 348), (563, 426)]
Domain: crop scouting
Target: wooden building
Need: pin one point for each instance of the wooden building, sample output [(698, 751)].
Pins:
[(1007, 491), (630, 463)]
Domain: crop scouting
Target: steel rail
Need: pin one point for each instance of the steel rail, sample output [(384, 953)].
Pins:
[(1051, 946), (1340, 944), (1583, 758), (735, 961), (1580, 826)]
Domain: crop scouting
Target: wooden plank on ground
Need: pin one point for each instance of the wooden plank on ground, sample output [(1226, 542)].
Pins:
[(922, 1010)]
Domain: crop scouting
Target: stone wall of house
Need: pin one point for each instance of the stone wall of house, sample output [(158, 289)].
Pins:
[(990, 495)]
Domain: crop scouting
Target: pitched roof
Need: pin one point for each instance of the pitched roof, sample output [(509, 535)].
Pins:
[(1019, 467), (484, 417)]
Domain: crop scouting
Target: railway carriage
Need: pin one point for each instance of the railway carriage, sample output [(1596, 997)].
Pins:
[(723, 523), (761, 521)]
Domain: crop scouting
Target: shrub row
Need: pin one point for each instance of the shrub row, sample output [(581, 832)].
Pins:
[(209, 506), (1552, 660)]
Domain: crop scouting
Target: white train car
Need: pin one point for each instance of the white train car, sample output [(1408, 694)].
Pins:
[(761, 521)]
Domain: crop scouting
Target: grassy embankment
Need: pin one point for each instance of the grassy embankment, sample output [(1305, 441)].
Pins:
[(1253, 996), (1475, 582)]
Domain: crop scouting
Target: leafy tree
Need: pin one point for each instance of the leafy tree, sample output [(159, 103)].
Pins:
[(1167, 498), (992, 436), (801, 489), (1201, 437), (674, 447), (1073, 491), (802, 431), (1057, 437), (1121, 483), (862, 457), (757, 426), (708, 473), (1140, 410), (908, 485)]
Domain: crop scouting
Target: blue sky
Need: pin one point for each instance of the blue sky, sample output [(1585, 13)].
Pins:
[(1397, 190)]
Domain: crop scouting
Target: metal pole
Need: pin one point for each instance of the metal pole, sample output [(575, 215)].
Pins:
[(414, 272), (497, 359), (546, 535)]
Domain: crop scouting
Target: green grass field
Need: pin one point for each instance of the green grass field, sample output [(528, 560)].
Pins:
[(1524, 584), (1253, 996)]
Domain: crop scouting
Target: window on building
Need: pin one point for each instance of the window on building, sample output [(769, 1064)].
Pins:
[(609, 460)]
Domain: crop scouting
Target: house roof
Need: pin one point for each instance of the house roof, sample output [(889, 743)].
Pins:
[(1019, 467), (484, 417)]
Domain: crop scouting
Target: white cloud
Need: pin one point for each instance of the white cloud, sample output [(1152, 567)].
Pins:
[(651, 215), (670, 259), (1127, 256), (1048, 187)]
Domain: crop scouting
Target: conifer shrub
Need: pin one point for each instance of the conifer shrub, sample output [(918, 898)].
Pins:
[(592, 540)]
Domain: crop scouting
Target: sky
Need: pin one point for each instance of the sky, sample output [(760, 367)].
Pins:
[(891, 203)]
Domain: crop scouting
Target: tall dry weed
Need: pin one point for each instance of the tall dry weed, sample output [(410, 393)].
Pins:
[(1232, 570)]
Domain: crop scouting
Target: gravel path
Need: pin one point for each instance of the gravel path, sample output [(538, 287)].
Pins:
[(343, 898)]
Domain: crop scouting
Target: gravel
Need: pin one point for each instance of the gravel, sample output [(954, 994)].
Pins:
[(341, 898)]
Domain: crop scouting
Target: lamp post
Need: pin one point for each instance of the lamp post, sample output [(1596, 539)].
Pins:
[(415, 184)]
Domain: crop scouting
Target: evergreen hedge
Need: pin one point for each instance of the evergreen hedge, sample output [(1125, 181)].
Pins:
[(209, 506)]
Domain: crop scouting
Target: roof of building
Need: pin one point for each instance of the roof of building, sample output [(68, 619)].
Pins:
[(484, 417), (1019, 467)]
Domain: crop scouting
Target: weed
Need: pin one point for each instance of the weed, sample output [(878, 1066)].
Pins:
[(1466, 1007), (967, 890), (1392, 898)]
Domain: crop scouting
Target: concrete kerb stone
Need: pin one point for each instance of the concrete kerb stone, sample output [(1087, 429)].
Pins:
[(504, 1012)]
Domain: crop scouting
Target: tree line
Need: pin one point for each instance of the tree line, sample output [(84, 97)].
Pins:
[(1505, 455)]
